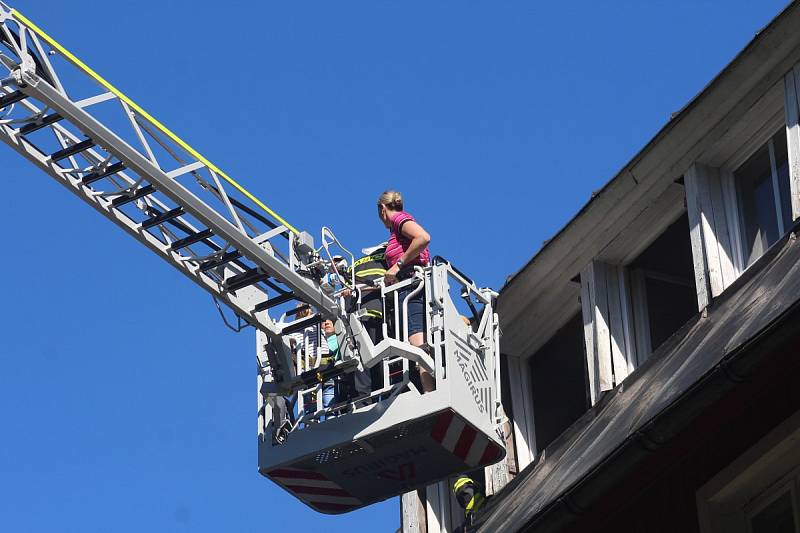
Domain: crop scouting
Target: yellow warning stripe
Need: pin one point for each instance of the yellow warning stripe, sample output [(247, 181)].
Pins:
[(370, 272), (99, 79), (367, 259), (460, 482)]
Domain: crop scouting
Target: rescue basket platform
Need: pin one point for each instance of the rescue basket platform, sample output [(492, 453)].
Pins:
[(399, 437), (407, 456)]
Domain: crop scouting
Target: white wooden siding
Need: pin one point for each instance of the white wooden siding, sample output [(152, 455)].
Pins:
[(413, 513), (497, 475), (713, 243), (438, 508), (522, 407), (607, 326), (792, 107)]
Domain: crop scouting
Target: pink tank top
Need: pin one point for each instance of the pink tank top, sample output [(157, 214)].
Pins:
[(398, 243)]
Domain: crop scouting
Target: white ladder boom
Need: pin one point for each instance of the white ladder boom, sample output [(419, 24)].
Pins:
[(149, 182)]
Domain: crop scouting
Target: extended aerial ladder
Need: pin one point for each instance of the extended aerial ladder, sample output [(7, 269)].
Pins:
[(87, 135)]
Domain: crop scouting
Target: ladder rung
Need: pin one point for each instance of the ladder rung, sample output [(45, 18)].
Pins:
[(244, 279), (46, 121), (128, 198), (90, 178), (12, 98), (272, 302), (160, 218), (300, 325), (222, 260), (72, 150), (191, 239)]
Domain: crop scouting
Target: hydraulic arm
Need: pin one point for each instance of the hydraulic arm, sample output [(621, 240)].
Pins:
[(96, 142)]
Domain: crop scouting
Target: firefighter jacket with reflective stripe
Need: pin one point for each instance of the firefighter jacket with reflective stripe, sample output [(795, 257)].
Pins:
[(368, 269), (468, 494)]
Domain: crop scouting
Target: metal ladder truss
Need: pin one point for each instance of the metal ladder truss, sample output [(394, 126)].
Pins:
[(95, 141), (396, 438)]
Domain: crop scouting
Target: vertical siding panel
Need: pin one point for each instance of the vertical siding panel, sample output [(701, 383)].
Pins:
[(619, 349), (522, 408), (709, 231), (696, 236), (413, 512), (723, 238), (602, 330), (792, 109), (587, 309)]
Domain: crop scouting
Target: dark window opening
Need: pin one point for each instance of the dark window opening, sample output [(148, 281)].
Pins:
[(663, 288), (777, 517), (558, 382)]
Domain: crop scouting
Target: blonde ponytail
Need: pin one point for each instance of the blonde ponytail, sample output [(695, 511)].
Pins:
[(392, 200)]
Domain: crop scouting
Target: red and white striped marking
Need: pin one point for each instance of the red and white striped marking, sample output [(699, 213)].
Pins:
[(463, 440), (315, 489)]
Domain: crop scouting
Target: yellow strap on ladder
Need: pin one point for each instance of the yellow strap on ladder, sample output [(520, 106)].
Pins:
[(163, 129)]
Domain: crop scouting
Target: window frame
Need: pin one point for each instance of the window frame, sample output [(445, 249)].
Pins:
[(729, 500), (641, 313), (711, 193), (732, 196), (788, 483)]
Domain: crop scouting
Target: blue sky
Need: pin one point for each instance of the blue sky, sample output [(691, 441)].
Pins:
[(126, 404)]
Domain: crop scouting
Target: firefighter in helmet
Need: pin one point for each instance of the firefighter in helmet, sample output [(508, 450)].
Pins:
[(470, 497)]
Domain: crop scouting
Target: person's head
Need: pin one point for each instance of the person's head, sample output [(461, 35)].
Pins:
[(302, 311), (327, 327), (389, 203), (340, 263), (465, 489)]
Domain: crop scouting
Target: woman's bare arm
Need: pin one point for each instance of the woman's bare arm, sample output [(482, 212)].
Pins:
[(419, 240)]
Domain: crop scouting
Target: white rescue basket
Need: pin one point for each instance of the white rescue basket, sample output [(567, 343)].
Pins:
[(397, 438)]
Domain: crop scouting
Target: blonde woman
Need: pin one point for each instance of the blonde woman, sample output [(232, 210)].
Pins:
[(407, 248)]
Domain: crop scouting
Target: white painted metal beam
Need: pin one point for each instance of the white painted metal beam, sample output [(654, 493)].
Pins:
[(303, 288)]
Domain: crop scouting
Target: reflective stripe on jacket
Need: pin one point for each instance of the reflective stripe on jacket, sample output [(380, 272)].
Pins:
[(368, 269)]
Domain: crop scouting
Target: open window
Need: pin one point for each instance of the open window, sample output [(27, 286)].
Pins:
[(558, 382), (663, 288), (630, 310)]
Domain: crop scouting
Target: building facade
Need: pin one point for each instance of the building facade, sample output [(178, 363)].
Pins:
[(650, 348)]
